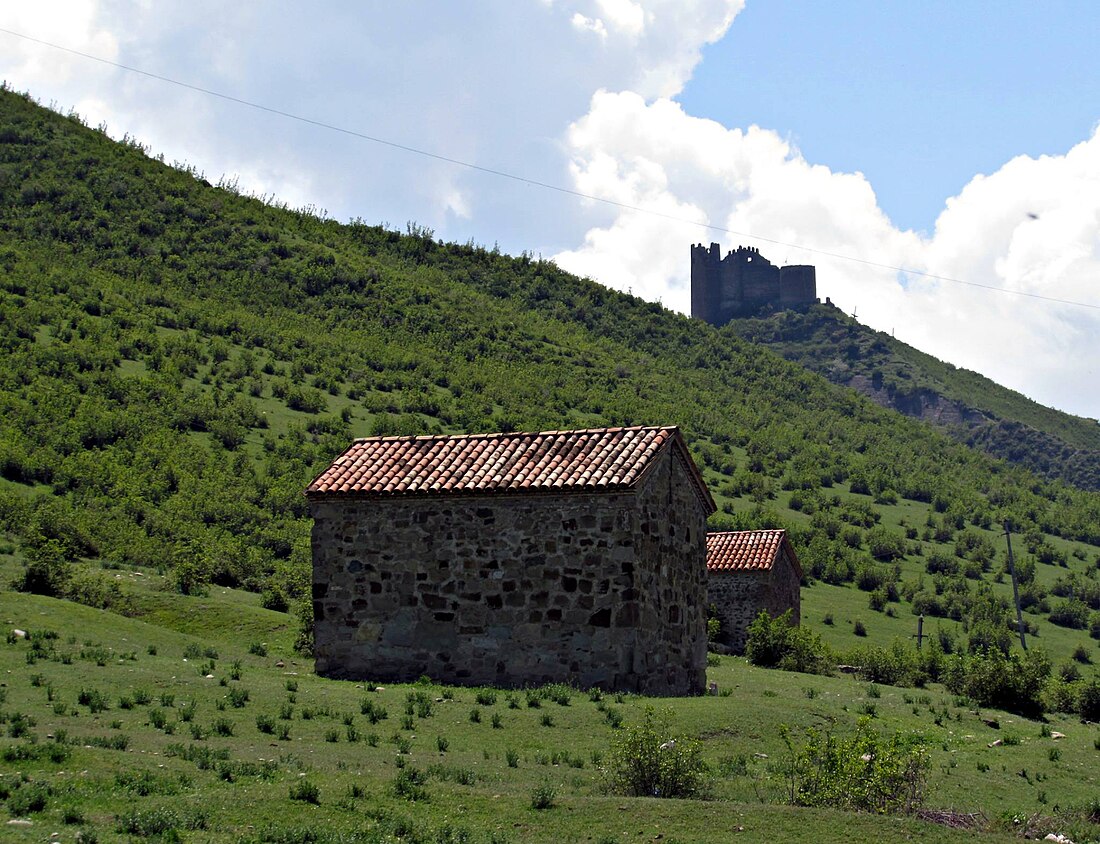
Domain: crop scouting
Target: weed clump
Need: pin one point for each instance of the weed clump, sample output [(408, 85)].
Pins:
[(542, 797), (305, 791)]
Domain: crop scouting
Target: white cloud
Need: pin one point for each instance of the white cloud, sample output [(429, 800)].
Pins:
[(625, 16), (654, 45), (1033, 226), (594, 25), (72, 23)]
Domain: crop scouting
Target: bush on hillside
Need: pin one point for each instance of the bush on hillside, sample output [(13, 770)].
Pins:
[(1073, 613), (777, 643), (1014, 682), (898, 665), (863, 772), (647, 760), (48, 570), (1088, 700)]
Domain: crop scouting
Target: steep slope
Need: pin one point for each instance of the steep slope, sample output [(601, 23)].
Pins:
[(968, 406), (180, 360)]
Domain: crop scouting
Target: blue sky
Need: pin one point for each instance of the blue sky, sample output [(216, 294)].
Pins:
[(956, 140), (919, 97)]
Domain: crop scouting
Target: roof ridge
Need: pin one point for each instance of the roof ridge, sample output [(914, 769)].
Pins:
[(517, 434)]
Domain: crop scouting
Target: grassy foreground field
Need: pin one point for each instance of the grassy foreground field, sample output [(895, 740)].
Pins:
[(195, 721)]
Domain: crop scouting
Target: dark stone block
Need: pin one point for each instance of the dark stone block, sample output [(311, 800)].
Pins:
[(601, 618)]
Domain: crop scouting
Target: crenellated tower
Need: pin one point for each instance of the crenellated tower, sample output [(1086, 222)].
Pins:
[(745, 283)]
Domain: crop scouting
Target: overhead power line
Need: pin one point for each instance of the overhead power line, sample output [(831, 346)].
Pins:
[(535, 182)]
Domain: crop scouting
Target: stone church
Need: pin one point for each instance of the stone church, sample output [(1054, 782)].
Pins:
[(514, 559), (749, 571)]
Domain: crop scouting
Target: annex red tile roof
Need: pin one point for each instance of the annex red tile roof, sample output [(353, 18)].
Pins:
[(594, 459), (741, 550)]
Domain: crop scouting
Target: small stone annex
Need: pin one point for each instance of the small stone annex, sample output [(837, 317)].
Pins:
[(514, 559), (749, 571)]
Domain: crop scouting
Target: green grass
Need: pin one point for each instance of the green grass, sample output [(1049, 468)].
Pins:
[(238, 779)]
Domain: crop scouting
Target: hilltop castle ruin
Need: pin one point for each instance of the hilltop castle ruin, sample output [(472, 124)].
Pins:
[(743, 283)]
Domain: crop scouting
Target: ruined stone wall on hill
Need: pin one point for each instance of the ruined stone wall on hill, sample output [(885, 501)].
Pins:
[(744, 283)]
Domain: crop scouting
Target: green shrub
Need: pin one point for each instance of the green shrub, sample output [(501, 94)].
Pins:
[(1073, 613), (93, 699), (775, 643), (1012, 682), (863, 772), (28, 799), (305, 791), (648, 761), (898, 665), (48, 569), (162, 823), (373, 711), (542, 797), (1088, 700), (409, 784)]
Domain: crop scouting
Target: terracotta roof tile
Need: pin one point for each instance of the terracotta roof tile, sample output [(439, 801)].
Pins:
[(558, 461), (747, 549)]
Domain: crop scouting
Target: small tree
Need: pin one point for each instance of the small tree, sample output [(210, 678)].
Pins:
[(48, 570)]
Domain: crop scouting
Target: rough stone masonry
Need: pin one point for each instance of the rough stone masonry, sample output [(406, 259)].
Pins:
[(590, 586)]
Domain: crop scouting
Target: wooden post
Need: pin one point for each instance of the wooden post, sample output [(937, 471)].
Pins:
[(1015, 587), (920, 630)]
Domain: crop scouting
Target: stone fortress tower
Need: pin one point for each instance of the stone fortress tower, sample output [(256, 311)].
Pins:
[(744, 282)]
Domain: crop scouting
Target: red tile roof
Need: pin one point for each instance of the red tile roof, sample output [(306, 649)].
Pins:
[(590, 460), (742, 550)]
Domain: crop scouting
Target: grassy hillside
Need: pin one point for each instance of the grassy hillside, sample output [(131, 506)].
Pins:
[(966, 405), (175, 725), (180, 360)]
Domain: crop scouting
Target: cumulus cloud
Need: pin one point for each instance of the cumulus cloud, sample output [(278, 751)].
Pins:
[(1033, 227), (494, 84), (653, 45)]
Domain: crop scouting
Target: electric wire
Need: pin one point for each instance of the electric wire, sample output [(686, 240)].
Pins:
[(535, 182)]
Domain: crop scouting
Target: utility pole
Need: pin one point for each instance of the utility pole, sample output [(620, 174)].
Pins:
[(1015, 587)]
